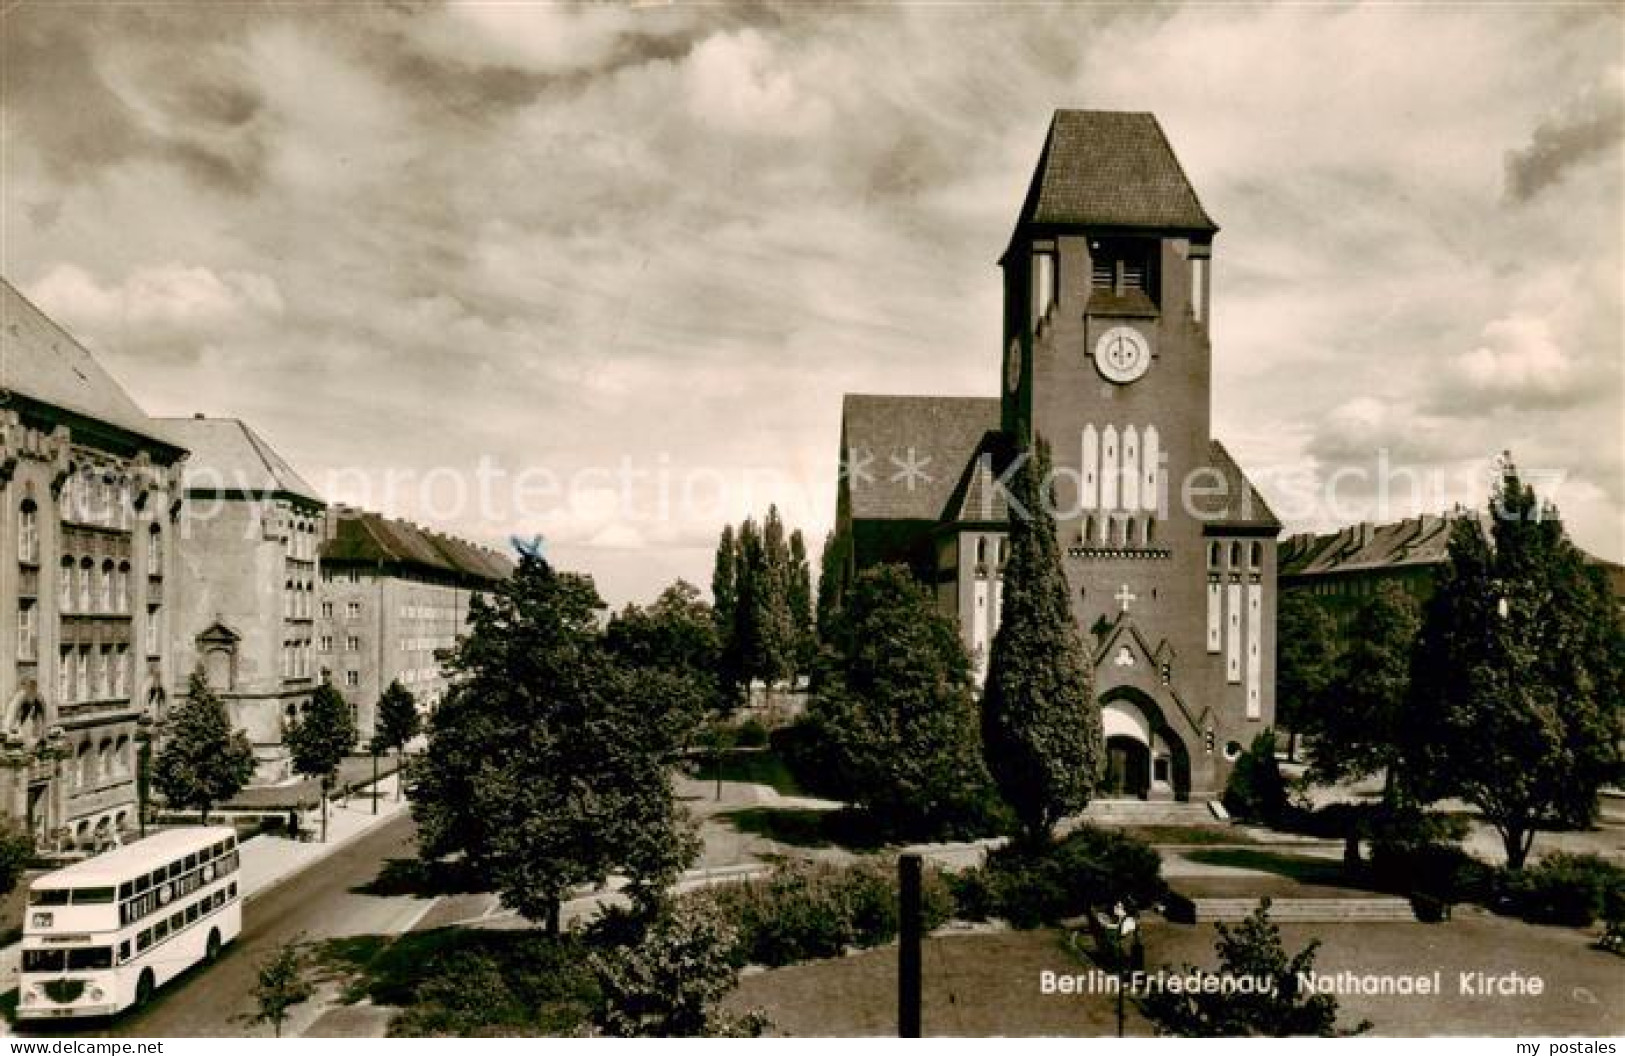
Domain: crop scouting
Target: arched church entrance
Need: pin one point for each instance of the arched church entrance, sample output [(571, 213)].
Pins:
[(1144, 758), (1128, 749)]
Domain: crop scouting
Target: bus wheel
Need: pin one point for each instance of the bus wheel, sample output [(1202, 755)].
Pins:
[(143, 988), (213, 951)]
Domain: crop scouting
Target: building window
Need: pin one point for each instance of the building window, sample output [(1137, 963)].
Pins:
[(1122, 266), (154, 629), (81, 675), (1257, 556), (327, 610), (28, 534), (352, 679), (327, 643), (121, 588), (27, 632), (87, 586), (155, 551), (65, 585), (353, 610), (352, 644)]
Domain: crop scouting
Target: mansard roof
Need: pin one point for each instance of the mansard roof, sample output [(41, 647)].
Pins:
[(364, 537), (1414, 541), (904, 457), (43, 363), (229, 457), (1111, 169)]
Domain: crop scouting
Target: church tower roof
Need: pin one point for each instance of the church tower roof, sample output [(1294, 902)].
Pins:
[(1111, 169)]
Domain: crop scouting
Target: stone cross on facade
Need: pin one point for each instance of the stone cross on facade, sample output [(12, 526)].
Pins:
[(1124, 597)]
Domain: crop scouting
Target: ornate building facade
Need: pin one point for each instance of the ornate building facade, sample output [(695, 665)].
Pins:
[(90, 496), (1169, 551), (250, 547)]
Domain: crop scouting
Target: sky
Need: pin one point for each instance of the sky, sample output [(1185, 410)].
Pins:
[(603, 273)]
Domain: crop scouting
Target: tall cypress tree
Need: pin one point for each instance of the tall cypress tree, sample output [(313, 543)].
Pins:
[(725, 581), (1040, 726), (799, 597)]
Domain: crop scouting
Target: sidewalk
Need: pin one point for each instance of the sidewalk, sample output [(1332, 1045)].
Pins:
[(269, 860), (266, 861)]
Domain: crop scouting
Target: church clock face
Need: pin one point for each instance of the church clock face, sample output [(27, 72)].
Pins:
[(1122, 355), (1012, 365)]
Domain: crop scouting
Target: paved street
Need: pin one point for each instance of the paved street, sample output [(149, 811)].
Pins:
[(319, 903)]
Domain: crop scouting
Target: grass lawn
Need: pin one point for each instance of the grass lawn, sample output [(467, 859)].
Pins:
[(975, 985), (755, 766), (452, 982), (1187, 835), (988, 984), (1584, 989)]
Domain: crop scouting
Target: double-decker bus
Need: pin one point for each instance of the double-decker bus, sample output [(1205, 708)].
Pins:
[(103, 934)]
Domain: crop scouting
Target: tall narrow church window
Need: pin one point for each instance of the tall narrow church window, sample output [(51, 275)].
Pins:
[(1089, 497), (1044, 281), (1255, 653), (1257, 557), (1150, 452), (1128, 532), (1232, 636), (1150, 531), (1109, 472), (1235, 555), (1214, 602), (1213, 555), (981, 551), (1087, 536), (1131, 468)]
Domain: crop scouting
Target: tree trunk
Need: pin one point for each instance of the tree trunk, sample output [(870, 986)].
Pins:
[(1517, 839), (555, 910), (400, 772), (325, 788), (203, 818)]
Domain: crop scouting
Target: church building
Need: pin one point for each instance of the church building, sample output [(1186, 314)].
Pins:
[(1169, 551)]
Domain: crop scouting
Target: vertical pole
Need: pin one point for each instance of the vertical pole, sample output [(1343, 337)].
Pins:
[(908, 952), (375, 779)]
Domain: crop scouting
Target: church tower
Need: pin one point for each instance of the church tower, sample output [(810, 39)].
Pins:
[(1108, 357)]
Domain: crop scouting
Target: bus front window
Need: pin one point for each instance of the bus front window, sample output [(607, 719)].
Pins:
[(48, 898), (44, 960), (90, 958)]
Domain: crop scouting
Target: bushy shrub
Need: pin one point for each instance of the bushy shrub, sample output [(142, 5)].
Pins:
[(1419, 854), (804, 911), (1567, 889), (1088, 869), (806, 752), (671, 981), (752, 734), (1256, 791)]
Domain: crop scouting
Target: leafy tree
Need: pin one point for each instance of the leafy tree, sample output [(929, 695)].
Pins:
[(1360, 731), (770, 653), (398, 722), (1250, 950), (203, 760), (1305, 662), (280, 984), (1256, 789), (831, 582), (670, 983), (320, 738), (799, 597), (1040, 727), (1520, 674), (725, 612), (675, 641), (16, 850), (547, 765), (897, 707)]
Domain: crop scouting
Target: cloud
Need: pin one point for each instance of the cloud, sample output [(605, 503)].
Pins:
[(406, 238), (1583, 129), (158, 304)]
